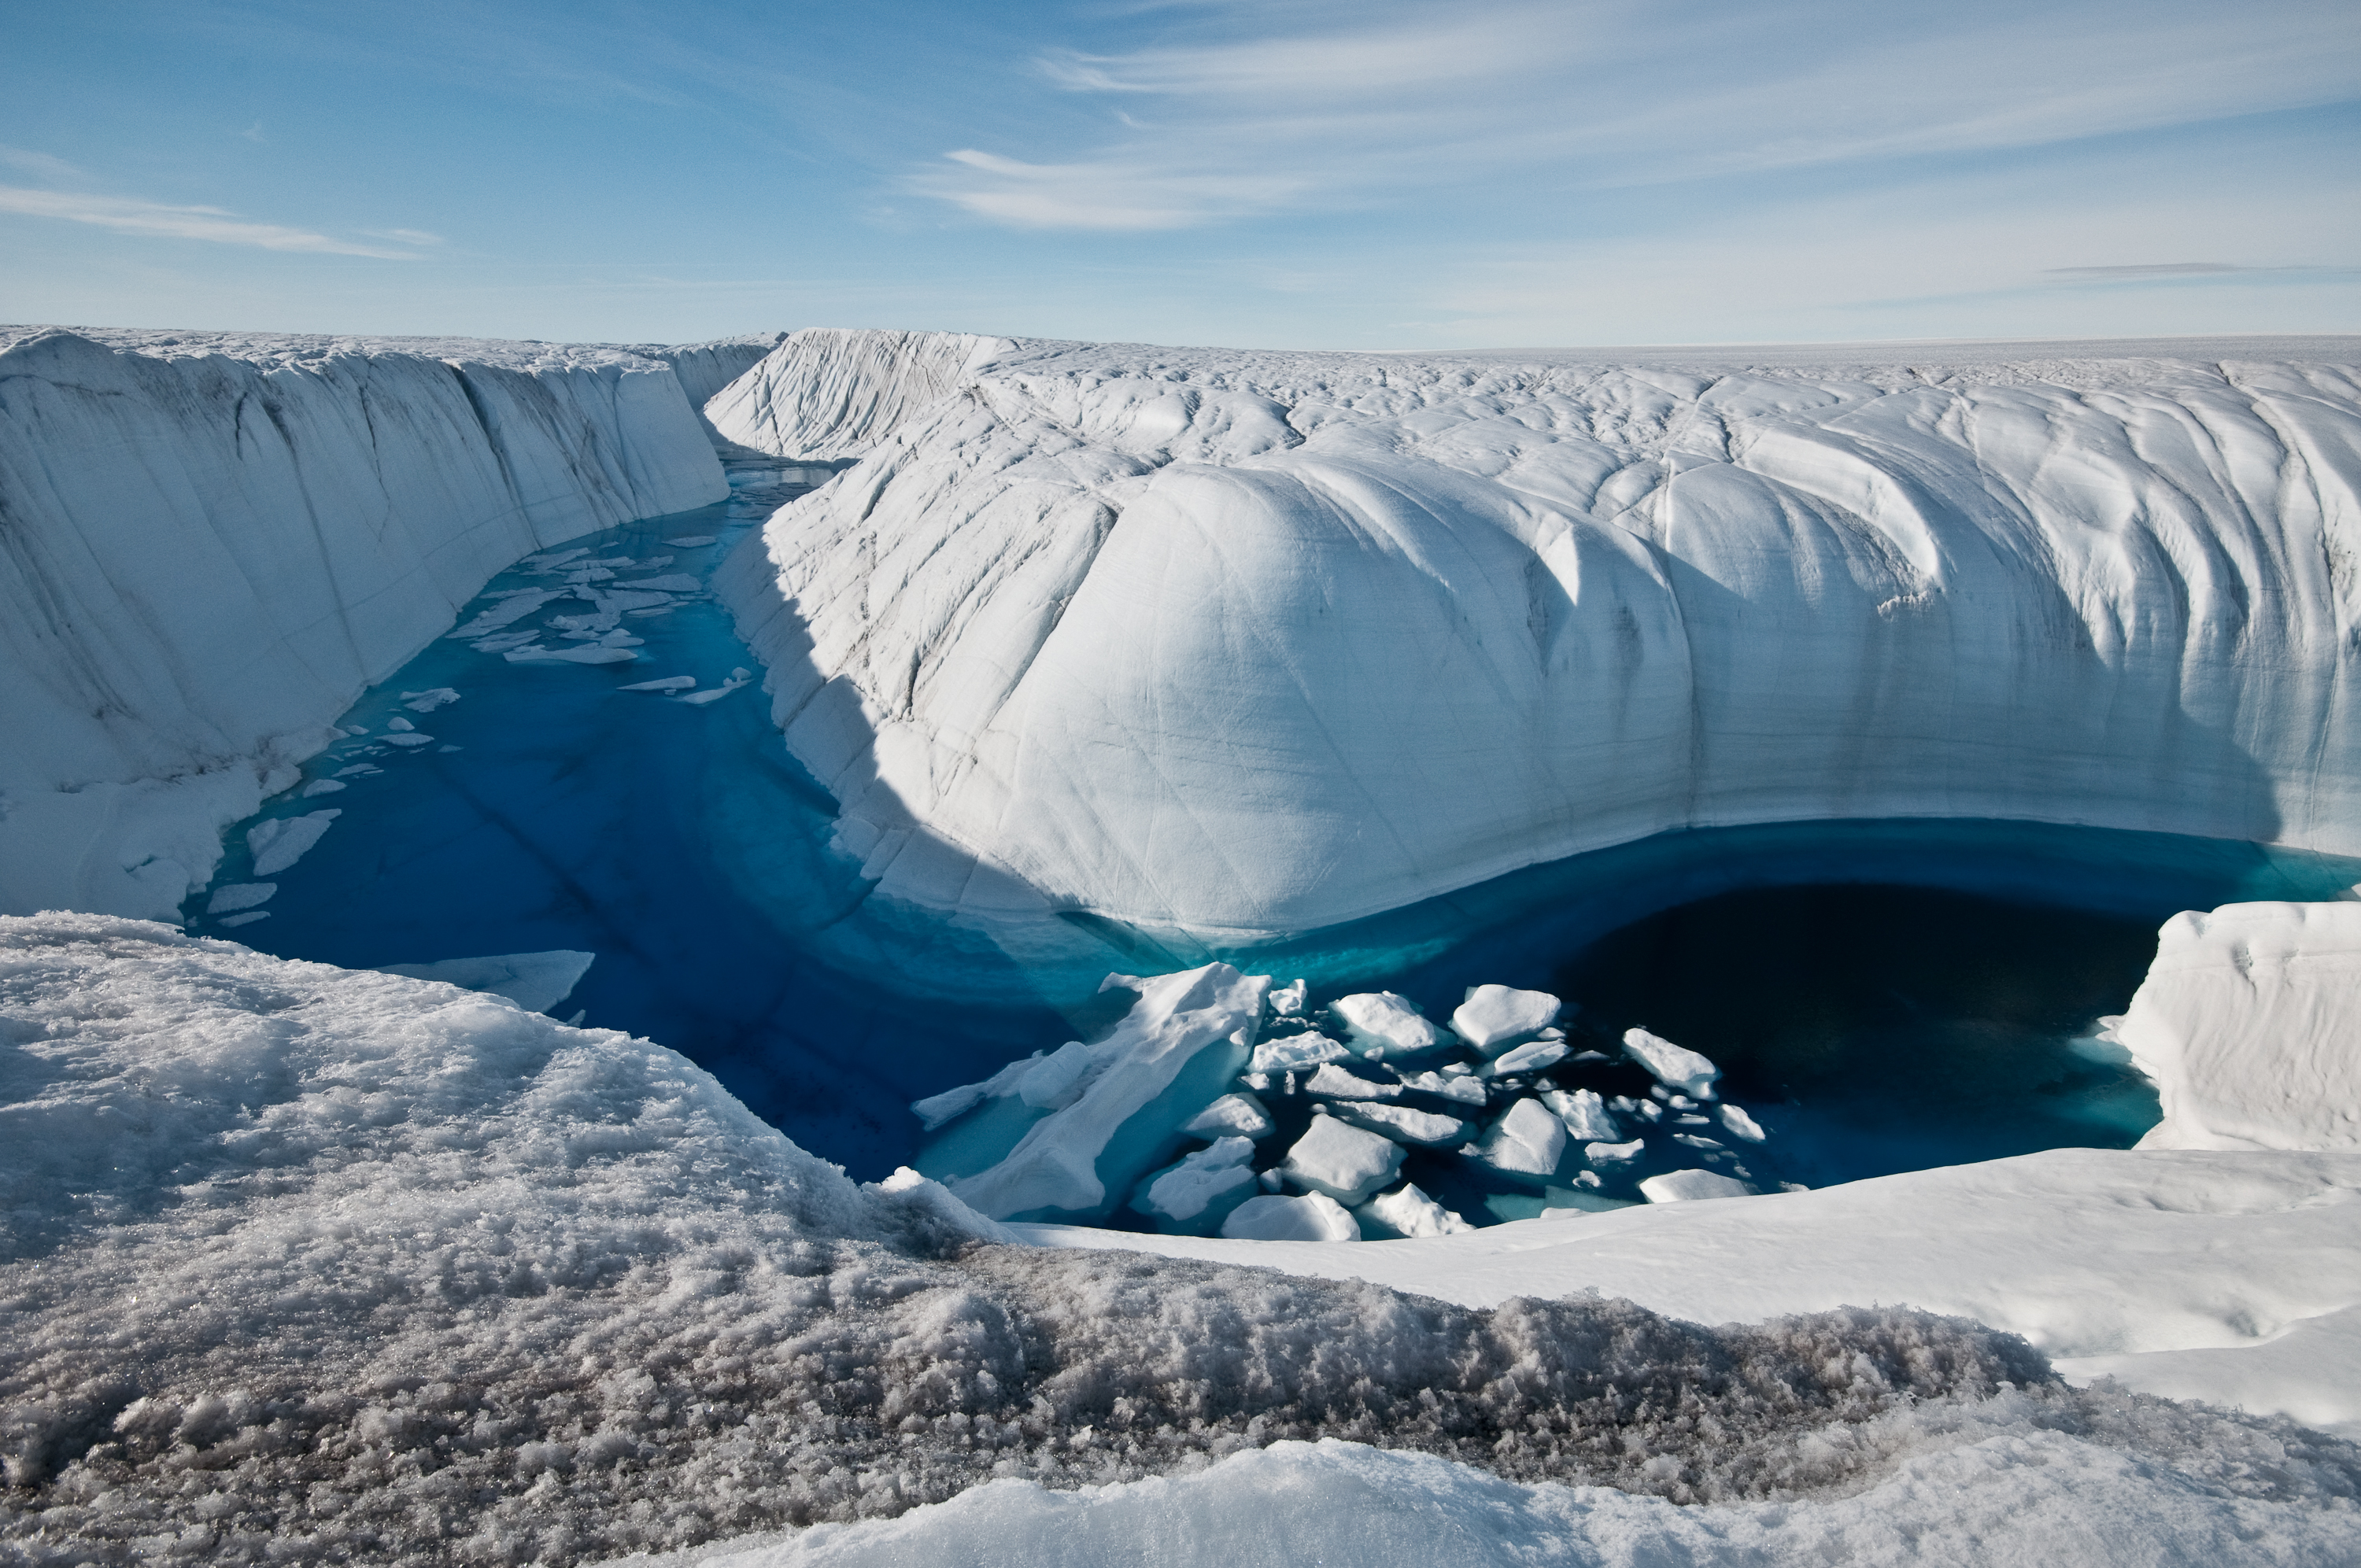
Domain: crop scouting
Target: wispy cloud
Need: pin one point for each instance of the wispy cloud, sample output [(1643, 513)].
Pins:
[(1342, 105), (2153, 270), (39, 165), (126, 215), (407, 236)]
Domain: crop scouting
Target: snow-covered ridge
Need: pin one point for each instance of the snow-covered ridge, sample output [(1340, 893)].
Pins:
[(354, 1265), (1253, 641), (213, 542), (829, 392)]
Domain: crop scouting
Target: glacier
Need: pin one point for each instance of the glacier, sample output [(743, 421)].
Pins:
[(1244, 643), (215, 541)]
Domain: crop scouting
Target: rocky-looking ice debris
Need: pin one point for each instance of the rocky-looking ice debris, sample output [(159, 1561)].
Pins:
[(1494, 1017), (1675, 1067), (1069, 1163)]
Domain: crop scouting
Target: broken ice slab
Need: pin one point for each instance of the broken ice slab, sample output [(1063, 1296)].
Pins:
[(248, 918), (1612, 1154), (1494, 1017), (1426, 1129), (1528, 1140), (592, 654), (1585, 1115), (1287, 1001), (1531, 1056), (1382, 1024), (429, 700), (1057, 1079), (1688, 1186), (409, 740), (358, 770), (1198, 1192), (1240, 1116), (668, 683), (511, 608), (1674, 1067), (1344, 1162), (692, 541), (1187, 1034), (1695, 1142), (1314, 1217), (239, 896), (672, 583), (323, 786), (1294, 1053), (535, 982), (281, 841), (1464, 1088), (1337, 1083), (1740, 1125), (1407, 1211), (938, 1109)]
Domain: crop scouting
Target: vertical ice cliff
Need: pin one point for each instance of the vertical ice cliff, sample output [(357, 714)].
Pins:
[(209, 545), (1255, 641), (705, 369)]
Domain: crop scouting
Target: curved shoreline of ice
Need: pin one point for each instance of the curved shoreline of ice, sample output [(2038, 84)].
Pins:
[(215, 541), (1249, 642)]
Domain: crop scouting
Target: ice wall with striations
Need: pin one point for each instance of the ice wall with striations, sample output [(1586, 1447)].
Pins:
[(705, 369), (1255, 641), (210, 543), (830, 392)]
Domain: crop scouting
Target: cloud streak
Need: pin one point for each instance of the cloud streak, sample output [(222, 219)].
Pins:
[(127, 215), (1350, 106)]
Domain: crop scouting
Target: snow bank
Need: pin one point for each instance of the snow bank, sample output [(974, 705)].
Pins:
[(1967, 1493), (830, 392), (216, 542), (1249, 642), (308, 1264), (2249, 1021)]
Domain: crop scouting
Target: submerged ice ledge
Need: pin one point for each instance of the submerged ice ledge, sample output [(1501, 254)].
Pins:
[(1244, 643)]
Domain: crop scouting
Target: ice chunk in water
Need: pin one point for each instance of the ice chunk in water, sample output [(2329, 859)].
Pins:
[(1612, 1154), (1287, 1001), (1381, 1023), (1241, 1115), (1314, 1217), (1406, 1212), (1337, 1083), (323, 786), (1674, 1067), (511, 608), (1688, 1186), (282, 840), (1193, 1192), (1527, 1140), (669, 684), (1531, 1056), (674, 583), (248, 918), (428, 701), (1344, 1162), (535, 982), (401, 724), (239, 896), (692, 541), (589, 654), (1293, 1053), (1460, 1087), (1493, 1016), (1585, 1115), (1742, 1124), (1066, 1162), (410, 740), (1424, 1128)]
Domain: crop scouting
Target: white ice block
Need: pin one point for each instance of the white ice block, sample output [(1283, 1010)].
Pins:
[(1344, 1162), (1495, 1017)]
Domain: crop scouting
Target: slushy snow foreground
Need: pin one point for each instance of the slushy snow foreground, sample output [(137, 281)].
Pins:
[(317, 1265), (1247, 643)]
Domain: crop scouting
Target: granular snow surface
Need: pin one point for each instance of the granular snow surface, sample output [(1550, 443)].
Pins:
[(325, 1265)]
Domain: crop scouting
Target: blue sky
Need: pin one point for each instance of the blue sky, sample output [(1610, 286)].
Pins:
[(1286, 173)]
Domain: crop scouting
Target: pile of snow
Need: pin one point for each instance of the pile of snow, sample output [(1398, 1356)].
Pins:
[(2249, 1023), (219, 541), (326, 1265), (1249, 642)]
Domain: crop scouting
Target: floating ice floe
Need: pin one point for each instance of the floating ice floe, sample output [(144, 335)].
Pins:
[(1739, 1124), (1294, 1053), (1675, 1067), (280, 841), (1382, 1024), (1463, 1087), (1313, 1217), (429, 700), (1424, 1128), (249, 918), (1528, 1140), (1495, 1017), (1335, 1082), (593, 654), (1603, 1153), (1407, 1211), (1202, 1189), (239, 896), (410, 741), (1287, 1001), (1533, 1056), (1237, 1114), (535, 982), (738, 678), (1346, 1162), (323, 786), (692, 541), (1688, 1186), (668, 683), (1585, 1115)]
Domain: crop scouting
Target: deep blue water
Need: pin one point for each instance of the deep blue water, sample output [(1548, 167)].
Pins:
[(685, 848)]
